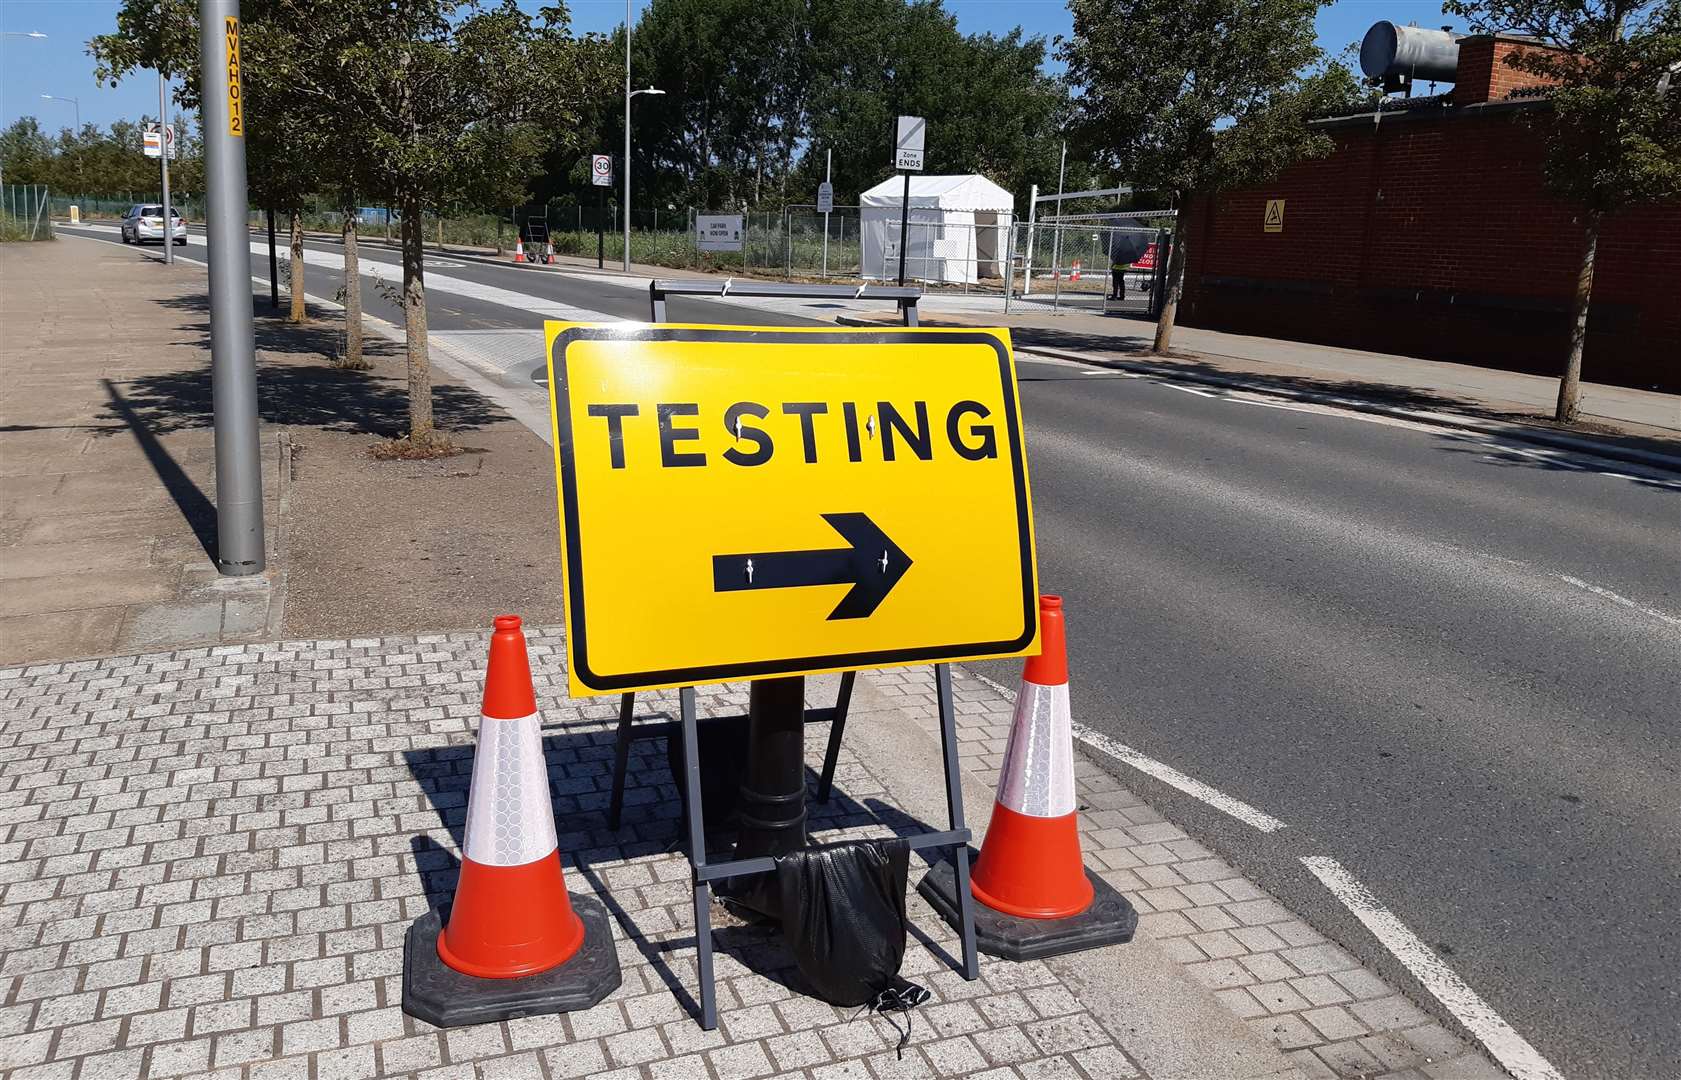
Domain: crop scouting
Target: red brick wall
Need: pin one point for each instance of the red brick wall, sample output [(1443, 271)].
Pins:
[(1433, 237), (1483, 73)]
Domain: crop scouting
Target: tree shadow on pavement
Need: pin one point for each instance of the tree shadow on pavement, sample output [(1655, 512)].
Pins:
[(294, 393), (580, 764), (1488, 452)]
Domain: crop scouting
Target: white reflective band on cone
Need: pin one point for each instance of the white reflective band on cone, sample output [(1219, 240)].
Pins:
[(1038, 777), (510, 820)]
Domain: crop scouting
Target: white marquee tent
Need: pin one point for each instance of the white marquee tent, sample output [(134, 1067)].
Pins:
[(958, 229)]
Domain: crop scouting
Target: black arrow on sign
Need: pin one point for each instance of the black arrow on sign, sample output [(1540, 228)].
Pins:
[(872, 565)]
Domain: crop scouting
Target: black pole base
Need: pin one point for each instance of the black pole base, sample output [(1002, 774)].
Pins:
[(438, 994), (1110, 920)]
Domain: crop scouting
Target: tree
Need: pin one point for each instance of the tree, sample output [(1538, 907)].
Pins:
[(451, 102), (1612, 134), (1195, 97)]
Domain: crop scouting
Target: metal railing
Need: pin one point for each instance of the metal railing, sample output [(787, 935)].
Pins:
[(660, 289), (24, 212)]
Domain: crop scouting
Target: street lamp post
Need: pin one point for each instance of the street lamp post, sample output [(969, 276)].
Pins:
[(629, 93), (74, 101)]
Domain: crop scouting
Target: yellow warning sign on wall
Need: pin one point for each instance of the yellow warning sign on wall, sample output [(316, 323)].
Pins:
[(236, 99), (745, 501), (1274, 219)]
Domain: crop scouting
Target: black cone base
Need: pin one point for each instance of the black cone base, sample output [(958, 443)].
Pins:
[(1110, 920), (438, 994)]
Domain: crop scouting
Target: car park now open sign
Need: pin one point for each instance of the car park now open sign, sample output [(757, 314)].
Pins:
[(741, 501)]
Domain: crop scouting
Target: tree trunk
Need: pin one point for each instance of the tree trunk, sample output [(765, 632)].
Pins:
[(299, 313), (421, 432), (1175, 284), (352, 294), (1570, 386)]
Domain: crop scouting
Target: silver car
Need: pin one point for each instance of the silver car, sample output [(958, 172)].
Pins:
[(144, 221)]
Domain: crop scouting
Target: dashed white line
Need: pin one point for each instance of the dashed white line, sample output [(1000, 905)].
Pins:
[(1167, 774), (1617, 598), (1511, 1050)]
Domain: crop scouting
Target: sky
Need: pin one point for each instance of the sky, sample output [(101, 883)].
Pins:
[(59, 64)]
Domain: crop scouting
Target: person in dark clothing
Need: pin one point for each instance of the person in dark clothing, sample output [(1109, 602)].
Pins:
[(1126, 246)]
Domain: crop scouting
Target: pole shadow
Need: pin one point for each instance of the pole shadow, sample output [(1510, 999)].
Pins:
[(195, 506)]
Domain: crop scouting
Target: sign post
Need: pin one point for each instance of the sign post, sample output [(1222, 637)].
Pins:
[(601, 175), (165, 152), (908, 143), (233, 364), (826, 203), (655, 412)]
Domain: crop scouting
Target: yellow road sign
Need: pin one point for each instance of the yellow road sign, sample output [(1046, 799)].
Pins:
[(747, 501), (1274, 219)]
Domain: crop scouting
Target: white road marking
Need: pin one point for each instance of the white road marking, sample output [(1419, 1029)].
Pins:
[(1619, 599), (1510, 1049), (536, 306), (1167, 774), (1172, 777)]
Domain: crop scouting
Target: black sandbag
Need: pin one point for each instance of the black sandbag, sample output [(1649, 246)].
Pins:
[(843, 916)]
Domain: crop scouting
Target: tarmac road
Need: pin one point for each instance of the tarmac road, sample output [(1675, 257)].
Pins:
[(1451, 666)]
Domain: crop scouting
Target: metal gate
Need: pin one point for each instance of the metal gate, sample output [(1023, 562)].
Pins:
[(1099, 263)]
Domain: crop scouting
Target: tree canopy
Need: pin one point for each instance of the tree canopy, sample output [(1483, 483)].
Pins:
[(95, 161), (756, 91)]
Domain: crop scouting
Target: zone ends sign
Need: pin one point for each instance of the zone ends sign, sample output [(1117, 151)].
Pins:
[(741, 502), (910, 136)]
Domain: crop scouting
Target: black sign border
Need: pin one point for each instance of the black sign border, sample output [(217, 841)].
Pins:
[(577, 633)]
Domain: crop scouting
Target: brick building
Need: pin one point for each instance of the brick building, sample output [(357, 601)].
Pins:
[(1428, 233)]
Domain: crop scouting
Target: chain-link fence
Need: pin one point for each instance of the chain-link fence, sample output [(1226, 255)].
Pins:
[(24, 212)]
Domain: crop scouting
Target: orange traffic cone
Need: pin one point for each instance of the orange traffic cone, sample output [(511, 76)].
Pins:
[(548, 254), (1075, 276), (511, 915), (512, 921), (1030, 864), (1037, 897), (519, 251)]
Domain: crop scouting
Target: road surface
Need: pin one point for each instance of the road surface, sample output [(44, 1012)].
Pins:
[(1452, 666)]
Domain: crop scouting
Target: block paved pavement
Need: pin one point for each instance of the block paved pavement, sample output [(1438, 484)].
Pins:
[(209, 858)]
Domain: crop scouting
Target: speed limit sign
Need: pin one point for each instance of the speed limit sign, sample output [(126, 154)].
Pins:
[(601, 170)]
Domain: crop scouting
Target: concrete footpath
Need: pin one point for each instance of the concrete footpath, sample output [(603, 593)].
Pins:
[(209, 857), (106, 518)]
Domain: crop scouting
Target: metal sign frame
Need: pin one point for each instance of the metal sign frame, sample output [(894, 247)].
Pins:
[(687, 727)]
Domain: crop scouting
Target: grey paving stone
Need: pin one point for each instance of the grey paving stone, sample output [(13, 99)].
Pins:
[(212, 858), (740, 1061)]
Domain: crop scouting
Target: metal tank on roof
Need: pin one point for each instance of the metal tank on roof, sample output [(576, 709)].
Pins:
[(1389, 50)]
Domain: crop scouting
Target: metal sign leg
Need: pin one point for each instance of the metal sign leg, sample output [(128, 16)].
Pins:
[(837, 728), (954, 803), (697, 859), (621, 759)]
